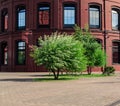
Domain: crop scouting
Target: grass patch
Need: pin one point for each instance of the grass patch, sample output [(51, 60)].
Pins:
[(92, 75), (66, 77)]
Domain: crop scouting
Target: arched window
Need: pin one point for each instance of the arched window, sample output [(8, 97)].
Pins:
[(115, 19), (4, 21), (116, 52), (20, 53), (21, 17), (99, 41), (94, 16), (4, 52), (69, 19), (44, 15)]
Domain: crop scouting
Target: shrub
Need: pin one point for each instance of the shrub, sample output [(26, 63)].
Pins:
[(109, 70)]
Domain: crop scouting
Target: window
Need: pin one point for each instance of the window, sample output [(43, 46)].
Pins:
[(99, 41), (37, 43), (21, 55), (94, 16), (4, 21), (116, 52), (4, 57), (69, 15), (115, 19), (21, 17), (44, 15)]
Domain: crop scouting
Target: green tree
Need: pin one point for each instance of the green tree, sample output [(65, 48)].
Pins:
[(59, 52), (93, 52), (100, 58)]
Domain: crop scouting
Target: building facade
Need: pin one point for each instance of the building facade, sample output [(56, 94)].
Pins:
[(23, 21)]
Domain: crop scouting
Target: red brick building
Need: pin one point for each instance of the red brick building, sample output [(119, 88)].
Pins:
[(23, 21)]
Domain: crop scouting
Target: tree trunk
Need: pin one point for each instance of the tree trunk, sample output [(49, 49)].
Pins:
[(56, 74), (102, 69), (89, 70)]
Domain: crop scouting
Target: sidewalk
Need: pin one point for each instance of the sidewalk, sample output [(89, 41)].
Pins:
[(18, 89)]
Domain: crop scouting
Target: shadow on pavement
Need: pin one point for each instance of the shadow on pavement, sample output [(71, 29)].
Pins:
[(116, 82), (114, 103), (18, 79), (47, 75)]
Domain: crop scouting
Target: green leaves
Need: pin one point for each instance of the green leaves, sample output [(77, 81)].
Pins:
[(60, 52), (67, 52), (94, 54), (100, 58)]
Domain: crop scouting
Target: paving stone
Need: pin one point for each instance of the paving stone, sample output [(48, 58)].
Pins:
[(18, 89)]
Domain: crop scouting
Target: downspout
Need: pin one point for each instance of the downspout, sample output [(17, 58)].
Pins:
[(104, 31), (12, 14), (10, 54), (52, 9)]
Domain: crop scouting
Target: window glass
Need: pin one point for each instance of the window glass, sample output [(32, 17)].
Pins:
[(115, 20), (4, 52), (44, 12), (4, 21), (116, 52), (6, 55), (21, 17), (94, 12), (69, 15), (21, 53)]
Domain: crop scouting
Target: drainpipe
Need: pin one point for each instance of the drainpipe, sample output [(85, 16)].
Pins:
[(10, 48), (104, 31)]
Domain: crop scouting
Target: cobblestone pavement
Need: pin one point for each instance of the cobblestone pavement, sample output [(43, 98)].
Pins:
[(18, 89)]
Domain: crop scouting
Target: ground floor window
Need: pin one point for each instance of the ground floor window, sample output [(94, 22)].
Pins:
[(116, 52), (4, 56), (99, 41), (20, 53)]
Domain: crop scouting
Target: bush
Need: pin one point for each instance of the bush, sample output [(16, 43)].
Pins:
[(109, 70)]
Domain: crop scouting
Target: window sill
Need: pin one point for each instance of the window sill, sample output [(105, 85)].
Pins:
[(4, 33), (115, 31), (95, 30), (115, 63), (4, 64), (43, 26), (20, 64), (21, 28)]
